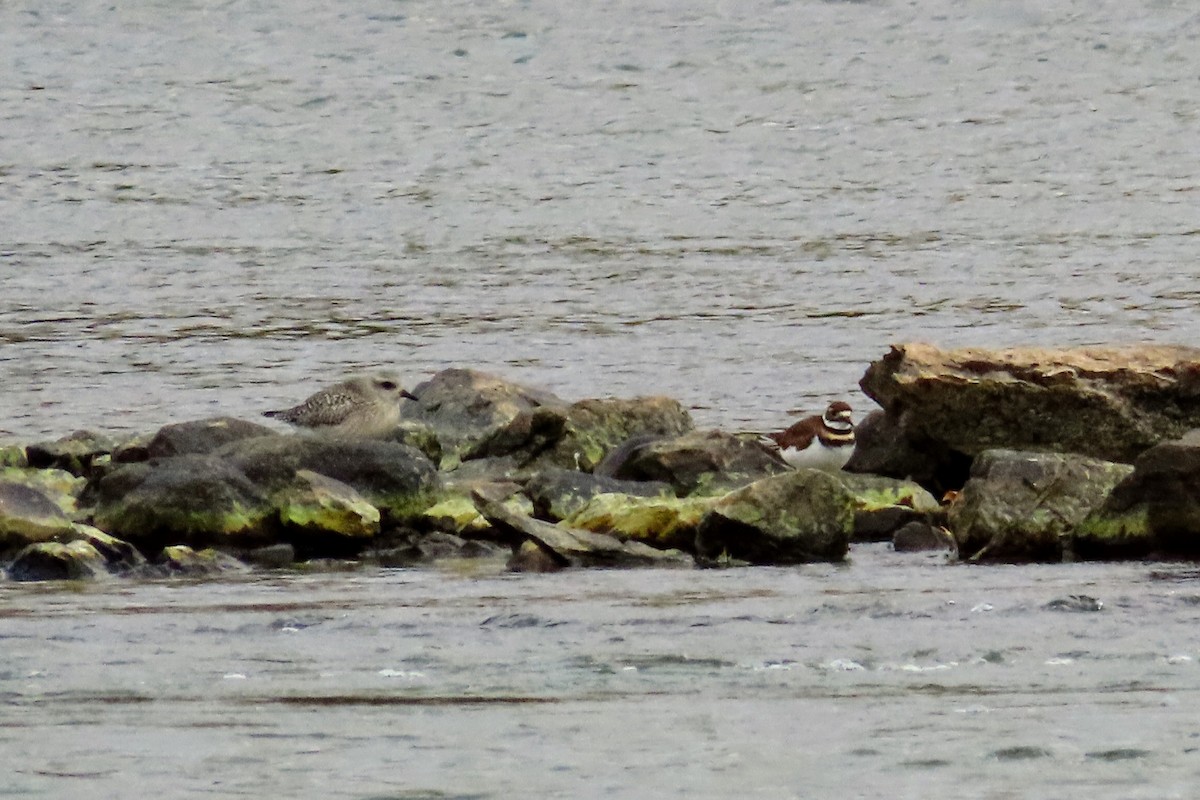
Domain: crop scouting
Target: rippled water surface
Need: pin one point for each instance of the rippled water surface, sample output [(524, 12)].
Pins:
[(893, 676), (210, 208)]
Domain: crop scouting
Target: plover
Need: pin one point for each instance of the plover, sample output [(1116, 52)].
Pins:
[(822, 441), (365, 406)]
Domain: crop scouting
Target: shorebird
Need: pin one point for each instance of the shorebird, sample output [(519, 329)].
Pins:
[(823, 441), (362, 407)]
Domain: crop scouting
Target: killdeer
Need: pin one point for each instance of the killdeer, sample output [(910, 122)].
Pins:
[(361, 407), (822, 441)]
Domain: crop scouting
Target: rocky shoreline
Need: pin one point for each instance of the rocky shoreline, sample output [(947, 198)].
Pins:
[(1010, 456)]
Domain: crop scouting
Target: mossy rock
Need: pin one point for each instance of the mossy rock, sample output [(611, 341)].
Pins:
[(28, 516), (665, 522), (58, 561)]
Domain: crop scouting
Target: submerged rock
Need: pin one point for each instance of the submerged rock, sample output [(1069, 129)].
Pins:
[(1022, 506), (183, 561), (58, 561), (28, 516), (804, 515), (917, 536), (1110, 403), (701, 462)]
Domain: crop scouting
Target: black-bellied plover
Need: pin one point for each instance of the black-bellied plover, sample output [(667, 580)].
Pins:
[(366, 406)]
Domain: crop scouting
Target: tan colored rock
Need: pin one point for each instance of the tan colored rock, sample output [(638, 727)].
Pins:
[(1107, 402)]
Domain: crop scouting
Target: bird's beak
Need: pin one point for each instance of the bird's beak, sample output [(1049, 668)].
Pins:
[(408, 394)]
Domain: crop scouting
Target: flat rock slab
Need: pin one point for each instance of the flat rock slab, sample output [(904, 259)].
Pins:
[(1108, 402)]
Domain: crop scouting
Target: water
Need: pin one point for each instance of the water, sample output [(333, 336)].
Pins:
[(896, 676), (210, 208)]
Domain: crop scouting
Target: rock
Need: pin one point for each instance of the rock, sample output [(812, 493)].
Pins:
[(183, 561), (12, 455), (1156, 508), (120, 557), (28, 516), (701, 462), (533, 557), (271, 556), (189, 499), (76, 453), (1023, 506), (325, 517), (882, 447), (395, 478), (420, 436), (1110, 403), (574, 547), (58, 561), (558, 493), (434, 547), (804, 515), (464, 407), (662, 522), (202, 436), (61, 487), (884, 505), (580, 435), (918, 536)]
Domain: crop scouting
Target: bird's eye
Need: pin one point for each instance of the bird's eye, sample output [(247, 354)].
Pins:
[(387, 386)]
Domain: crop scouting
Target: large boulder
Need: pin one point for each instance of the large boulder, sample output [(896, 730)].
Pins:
[(1155, 509), (197, 500), (325, 517), (801, 516), (28, 516), (1111, 403), (202, 436), (464, 407), (1023, 506), (700, 462), (395, 478)]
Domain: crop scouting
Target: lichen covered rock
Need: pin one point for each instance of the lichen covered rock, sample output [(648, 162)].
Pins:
[(1022, 506), (801, 516), (28, 516), (663, 522), (58, 561)]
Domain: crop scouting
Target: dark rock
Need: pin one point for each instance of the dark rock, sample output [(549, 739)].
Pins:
[(325, 517), (918, 536), (576, 547), (76, 453), (58, 561), (558, 493), (1154, 509), (701, 462), (464, 407), (202, 436), (190, 499), (272, 556), (1022, 506), (428, 548), (1111, 403), (530, 556), (120, 557), (883, 446), (395, 478), (804, 515), (27, 516), (884, 505)]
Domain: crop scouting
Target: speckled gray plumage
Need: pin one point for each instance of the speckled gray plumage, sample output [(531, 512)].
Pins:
[(367, 405)]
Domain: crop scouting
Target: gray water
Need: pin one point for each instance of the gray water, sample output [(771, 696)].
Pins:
[(211, 208)]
